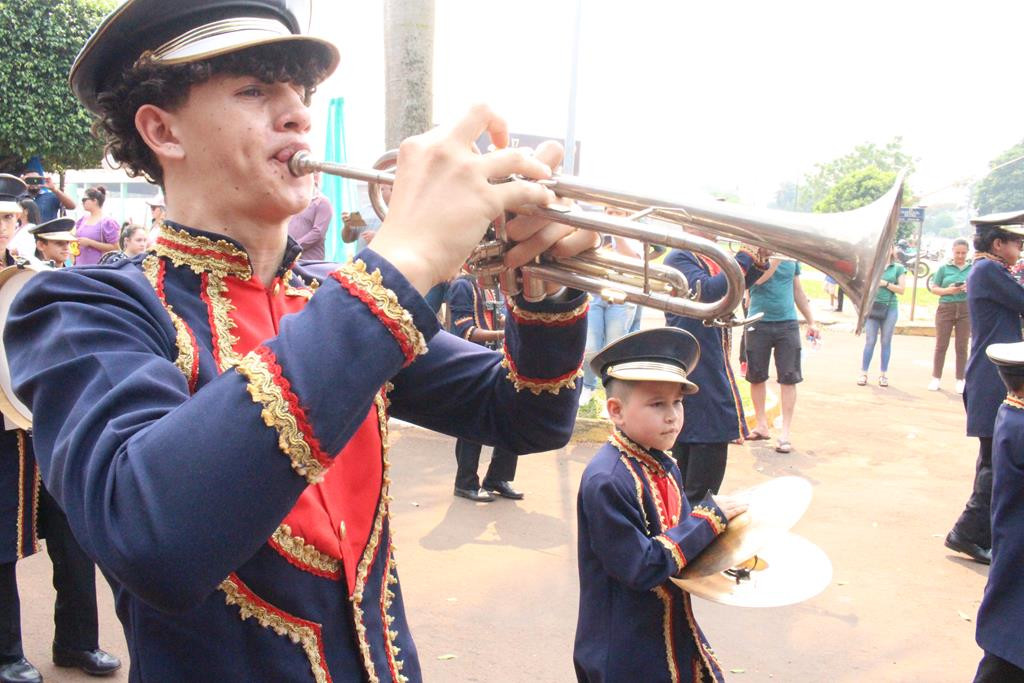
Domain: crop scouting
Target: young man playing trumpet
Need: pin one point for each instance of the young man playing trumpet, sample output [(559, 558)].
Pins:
[(216, 427)]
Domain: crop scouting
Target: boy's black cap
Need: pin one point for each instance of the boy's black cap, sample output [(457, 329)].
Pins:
[(664, 354), (1010, 221), (11, 187), (57, 229), (182, 31), (1009, 358)]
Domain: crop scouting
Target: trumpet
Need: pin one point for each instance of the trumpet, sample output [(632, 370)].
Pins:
[(852, 246)]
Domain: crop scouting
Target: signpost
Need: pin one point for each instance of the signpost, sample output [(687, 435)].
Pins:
[(914, 213)]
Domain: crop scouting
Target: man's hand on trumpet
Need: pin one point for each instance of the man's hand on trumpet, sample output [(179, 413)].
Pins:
[(443, 199), (535, 235)]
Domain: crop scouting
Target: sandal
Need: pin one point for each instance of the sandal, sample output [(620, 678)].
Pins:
[(758, 436), (783, 447), (862, 381), (883, 381)]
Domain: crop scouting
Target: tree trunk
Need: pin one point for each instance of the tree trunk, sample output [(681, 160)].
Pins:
[(408, 68)]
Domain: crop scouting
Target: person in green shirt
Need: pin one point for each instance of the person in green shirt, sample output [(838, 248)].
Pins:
[(950, 283), (892, 284)]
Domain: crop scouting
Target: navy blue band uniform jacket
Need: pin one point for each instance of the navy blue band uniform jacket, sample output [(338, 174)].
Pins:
[(471, 307), (715, 413), (636, 530), (19, 489), (995, 302), (19, 496), (220, 445), (1001, 615)]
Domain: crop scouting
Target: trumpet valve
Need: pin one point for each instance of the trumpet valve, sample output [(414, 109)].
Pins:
[(532, 288), (613, 296)]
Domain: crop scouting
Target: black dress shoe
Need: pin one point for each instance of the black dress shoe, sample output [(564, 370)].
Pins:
[(503, 489), (20, 671), (955, 541), (93, 662), (475, 495)]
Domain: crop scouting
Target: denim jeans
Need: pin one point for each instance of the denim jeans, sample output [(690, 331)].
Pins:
[(605, 323), (871, 332)]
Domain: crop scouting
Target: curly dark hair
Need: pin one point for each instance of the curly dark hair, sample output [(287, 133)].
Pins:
[(987, 235), (168, 87)]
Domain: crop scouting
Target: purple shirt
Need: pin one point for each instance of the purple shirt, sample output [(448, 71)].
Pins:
[(309, 227), (107, 230)]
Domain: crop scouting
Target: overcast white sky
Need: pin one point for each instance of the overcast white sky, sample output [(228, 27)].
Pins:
[(680, 97)]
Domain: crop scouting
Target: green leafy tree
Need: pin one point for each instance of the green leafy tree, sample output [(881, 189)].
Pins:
[(856, 189), (860, 188), (939, 218), (40, 116), (889, 158), (786, 197), (1003, 188)]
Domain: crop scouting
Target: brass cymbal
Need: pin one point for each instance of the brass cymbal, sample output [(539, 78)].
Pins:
[(773, 508), (792, 569)]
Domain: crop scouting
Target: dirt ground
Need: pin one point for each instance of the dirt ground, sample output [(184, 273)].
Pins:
[(491, 589)]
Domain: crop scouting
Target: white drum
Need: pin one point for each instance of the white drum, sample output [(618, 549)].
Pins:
[(12, 279)]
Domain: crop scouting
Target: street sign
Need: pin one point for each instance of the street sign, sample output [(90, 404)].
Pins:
[(912, 213)]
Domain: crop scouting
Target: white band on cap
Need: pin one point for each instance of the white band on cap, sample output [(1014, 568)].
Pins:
[(638, 369), (217, 36)]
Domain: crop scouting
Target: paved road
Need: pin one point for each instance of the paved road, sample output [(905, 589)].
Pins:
[(492, 589)]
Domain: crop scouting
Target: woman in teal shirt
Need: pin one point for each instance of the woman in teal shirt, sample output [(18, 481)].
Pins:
[(892, 284), (950, 283)]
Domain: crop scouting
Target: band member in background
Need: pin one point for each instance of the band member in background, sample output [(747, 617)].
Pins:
[(157, 211), (216, 426), (1001, 615), (996, 302), (636, 528), (53, 241), (476, 315), (716, 412), (28, 513)]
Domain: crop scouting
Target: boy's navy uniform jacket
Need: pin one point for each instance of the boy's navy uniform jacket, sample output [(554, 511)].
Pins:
[(220, 447), (995, 302), (1001, 615), (715, 413), (636, 530)]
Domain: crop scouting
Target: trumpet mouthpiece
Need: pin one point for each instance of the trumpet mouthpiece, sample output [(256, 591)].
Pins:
[(299, 164)]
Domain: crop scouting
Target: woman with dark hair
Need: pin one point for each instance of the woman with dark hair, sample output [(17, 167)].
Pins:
[(892, 284), (96, 233), (950, 284), (24, 243), (133, 240), (995, 302)]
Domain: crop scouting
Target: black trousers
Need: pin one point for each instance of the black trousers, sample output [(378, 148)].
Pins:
[(74, 578), (975, 523), (702, 466), (467, 455), (993, 669)]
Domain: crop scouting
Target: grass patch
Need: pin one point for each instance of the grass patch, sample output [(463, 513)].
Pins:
[(815, 290), (592, 409)]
